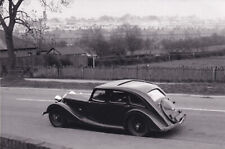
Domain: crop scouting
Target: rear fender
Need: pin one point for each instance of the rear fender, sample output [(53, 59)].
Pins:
[(64, 108), (154, 123)]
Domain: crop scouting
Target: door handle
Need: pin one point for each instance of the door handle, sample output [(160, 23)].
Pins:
[(127, 106)]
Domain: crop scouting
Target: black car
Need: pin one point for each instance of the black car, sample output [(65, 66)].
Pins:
[(133, 105)]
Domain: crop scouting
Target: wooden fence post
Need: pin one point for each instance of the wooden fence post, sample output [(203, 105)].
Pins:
[(82, 72), (214, 74), (112, 76), (137, 72)]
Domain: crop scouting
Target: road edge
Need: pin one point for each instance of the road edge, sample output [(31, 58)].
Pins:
[(15, 142), (182, 88)]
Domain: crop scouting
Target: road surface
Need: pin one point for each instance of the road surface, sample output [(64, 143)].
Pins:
[(21, 115)]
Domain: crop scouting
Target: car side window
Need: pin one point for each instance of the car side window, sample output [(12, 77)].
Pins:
[(118, 97), (100, 95), (135, 100)]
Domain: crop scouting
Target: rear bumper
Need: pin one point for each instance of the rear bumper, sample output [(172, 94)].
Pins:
[(174, 125)]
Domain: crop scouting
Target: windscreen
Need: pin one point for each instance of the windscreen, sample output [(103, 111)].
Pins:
[(156, 95)]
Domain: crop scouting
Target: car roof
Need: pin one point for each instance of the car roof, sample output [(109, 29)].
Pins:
[(132, 84)]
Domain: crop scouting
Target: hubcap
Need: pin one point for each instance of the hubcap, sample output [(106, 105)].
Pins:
[(56, 119), (137, 126)]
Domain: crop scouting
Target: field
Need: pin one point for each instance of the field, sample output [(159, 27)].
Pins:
[(208, 62)]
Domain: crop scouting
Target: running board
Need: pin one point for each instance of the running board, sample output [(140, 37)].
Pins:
[(93, 123)]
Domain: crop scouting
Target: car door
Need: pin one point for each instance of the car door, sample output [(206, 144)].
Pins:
[(117, 107), (97, 106)]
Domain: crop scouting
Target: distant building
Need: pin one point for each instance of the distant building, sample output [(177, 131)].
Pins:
[(28, 55), (22, 47), (77, 56)]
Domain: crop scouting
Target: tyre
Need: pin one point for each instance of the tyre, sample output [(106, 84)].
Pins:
[(57, 118), (137, 125)]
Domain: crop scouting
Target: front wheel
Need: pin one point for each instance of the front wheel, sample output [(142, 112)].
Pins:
[(57, 118), (137, 125)]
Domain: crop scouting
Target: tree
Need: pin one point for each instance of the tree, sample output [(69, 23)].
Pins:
[(94, 40), (99, 43), (37, 28), (133, 38), (149, 44), (13, 15), (117, 43)]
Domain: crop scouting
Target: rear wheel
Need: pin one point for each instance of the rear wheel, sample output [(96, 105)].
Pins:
[(57, 118), (137, 125)]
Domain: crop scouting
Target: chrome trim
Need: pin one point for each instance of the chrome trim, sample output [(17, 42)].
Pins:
[(58, 98)]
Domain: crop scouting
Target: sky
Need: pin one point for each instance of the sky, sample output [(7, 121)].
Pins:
[(95, 8)]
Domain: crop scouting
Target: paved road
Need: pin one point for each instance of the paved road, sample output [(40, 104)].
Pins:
[(21, 110)]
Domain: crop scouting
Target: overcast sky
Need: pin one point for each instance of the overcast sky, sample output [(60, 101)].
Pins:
[(96, 8)]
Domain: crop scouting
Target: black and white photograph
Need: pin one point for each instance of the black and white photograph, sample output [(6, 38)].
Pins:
[(112, 74)]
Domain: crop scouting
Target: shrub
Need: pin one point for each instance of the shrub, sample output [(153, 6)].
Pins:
[(52, 60), (65, 62)]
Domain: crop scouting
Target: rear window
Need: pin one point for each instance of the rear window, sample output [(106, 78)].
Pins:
[(135, 100), (156, 95)]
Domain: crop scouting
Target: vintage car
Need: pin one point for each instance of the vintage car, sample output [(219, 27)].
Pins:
[(136, 106)]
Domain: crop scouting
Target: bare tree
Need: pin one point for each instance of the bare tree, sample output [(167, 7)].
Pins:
[(13, 15), (117, 43), (36, 32), (133, 37)]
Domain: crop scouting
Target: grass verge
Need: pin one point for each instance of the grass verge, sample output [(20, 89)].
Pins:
[(186, 88)]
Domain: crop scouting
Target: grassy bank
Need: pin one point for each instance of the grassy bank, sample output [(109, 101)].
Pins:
[(187, 88), (198, 63)]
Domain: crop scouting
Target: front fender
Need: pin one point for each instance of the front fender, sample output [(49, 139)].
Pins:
[(63, 107)]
